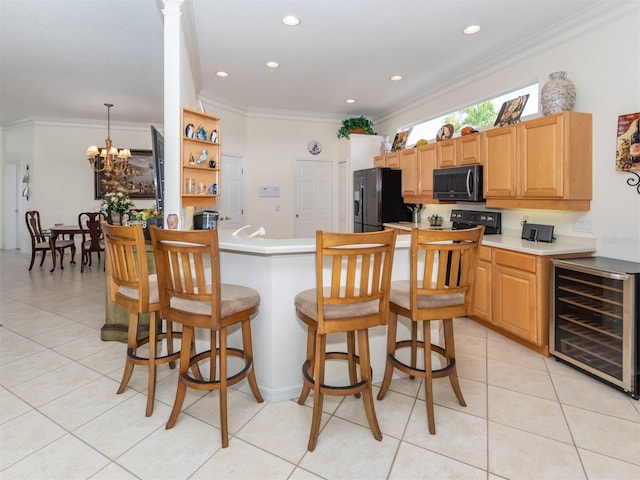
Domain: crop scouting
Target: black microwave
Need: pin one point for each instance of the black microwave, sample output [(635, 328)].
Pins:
[(459, 183)]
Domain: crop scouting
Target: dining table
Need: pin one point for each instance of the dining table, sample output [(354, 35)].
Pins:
[(56, 230)]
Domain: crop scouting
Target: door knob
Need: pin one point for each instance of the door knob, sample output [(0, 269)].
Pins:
[(297, 216)]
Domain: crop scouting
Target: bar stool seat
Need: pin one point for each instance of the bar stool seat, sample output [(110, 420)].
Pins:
[(356, 298), (443, 268), (132, 287), (191, 293)]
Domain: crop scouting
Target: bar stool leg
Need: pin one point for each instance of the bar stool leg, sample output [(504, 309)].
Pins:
[(392, 328), (428, 378)]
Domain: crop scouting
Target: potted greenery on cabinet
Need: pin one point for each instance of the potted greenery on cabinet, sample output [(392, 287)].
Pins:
[(356, 125)]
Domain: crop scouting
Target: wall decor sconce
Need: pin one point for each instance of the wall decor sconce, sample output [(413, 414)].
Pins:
[(25, 189)]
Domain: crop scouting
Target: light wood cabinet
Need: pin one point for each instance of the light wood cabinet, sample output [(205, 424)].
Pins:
[(500, 157), (542, 163), (511, 295), (468, 149), (409, 167), (482, 295), (392, 160), (447, 153), (378, 161), (200, 159), (518, 305), (417, 166)]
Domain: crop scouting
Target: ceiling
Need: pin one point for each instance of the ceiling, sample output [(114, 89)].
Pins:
[(66, 58)]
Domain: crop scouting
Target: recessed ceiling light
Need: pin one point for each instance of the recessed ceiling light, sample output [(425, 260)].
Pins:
[(273, 64), (351, 100), (291, 20), (471, 29), (395, 78), (222, 74)]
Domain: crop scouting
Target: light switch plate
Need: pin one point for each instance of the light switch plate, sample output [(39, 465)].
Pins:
[(537, 233)]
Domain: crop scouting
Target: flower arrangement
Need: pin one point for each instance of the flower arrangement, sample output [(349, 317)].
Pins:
[(115, 202)]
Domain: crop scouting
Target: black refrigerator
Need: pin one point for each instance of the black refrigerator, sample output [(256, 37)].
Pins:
[(377, 199)]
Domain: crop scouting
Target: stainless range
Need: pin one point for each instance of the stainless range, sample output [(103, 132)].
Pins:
[(462, 219)]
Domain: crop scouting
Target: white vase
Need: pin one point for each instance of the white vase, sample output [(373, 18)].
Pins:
[(558, 94)]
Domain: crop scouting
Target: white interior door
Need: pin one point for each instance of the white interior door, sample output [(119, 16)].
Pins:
[(11, 210), (231, 200), (313, 197)]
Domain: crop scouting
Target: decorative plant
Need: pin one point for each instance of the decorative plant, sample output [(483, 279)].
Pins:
[(147, 214), (113, 202), (357, 122)]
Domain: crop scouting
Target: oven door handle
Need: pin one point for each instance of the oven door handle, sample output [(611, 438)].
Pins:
[(469, 183)]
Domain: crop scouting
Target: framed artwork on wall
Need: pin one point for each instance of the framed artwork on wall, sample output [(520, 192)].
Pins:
[(137, 180), (628, 142)]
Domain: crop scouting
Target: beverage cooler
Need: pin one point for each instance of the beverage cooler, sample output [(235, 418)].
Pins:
[(594, 319)]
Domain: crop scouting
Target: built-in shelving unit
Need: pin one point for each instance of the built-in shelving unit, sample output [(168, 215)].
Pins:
[(200, 162)]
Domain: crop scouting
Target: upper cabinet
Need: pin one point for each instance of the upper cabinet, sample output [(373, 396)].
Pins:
[(417, 165), (468, 149), (200, 159), (543, 163), (447, 153), (392, 160)]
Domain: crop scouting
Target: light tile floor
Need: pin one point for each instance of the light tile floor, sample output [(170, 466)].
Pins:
[(60, 418)]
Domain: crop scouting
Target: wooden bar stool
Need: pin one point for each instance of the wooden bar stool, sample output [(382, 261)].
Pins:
[(137, 291), (191, 293), (351, 296), (441, 287)]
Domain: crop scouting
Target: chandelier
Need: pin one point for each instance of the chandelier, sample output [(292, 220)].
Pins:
[(108, 159)]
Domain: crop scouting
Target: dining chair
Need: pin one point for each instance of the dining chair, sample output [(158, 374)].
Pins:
[(40, 240), (443, 266), (353, 276), (92, 240), (192, 294), (132, 287)]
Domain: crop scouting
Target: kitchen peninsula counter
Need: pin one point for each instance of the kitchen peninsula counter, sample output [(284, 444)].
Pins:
[(279, 269)]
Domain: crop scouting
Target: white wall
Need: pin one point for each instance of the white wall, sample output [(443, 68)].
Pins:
[(604, 64), (62, 183), (274, 144)]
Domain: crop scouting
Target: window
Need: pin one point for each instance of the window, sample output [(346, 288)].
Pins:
[(486, 113)]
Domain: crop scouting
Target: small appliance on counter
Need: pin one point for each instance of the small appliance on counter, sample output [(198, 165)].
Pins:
[(492, 221), (537, 233), (205, 220)]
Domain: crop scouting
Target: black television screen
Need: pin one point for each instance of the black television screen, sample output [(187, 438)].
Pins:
[(157, 148)]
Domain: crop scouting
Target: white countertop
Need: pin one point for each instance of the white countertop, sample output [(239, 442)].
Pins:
[(278, 246), (510, 240)]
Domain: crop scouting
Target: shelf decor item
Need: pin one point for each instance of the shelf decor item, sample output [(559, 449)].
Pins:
[(356, 125), (558, 94), (511, 111), (400, 141)]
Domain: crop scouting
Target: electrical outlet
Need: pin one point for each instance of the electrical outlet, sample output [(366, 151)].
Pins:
[(583, 225)]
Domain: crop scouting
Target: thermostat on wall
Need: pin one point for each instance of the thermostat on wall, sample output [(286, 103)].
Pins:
[(269, 191)]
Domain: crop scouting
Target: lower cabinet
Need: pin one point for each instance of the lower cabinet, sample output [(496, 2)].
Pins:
[(519, 305), (512, 295), (482, 296)]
